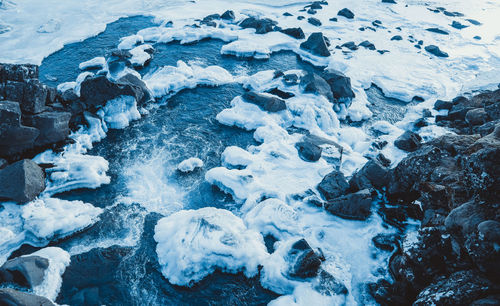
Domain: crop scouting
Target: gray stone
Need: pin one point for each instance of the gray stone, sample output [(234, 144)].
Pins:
[(340, 85), (477, 116), (316, 44), (53, 126), (308, 151), (27, 271), (11, 297), (227, 15), (433, 49), (372, 175), (296, 33), (21, 181), (346, 13), (333, 185), (409, 141), (266, 102), (18, 73), (304, 262), (261, 26), (355, 206), (313, 83)]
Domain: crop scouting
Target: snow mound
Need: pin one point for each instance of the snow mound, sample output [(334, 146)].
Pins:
[(190, 164)]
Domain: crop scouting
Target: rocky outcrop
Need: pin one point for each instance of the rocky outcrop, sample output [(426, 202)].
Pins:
[(26, 272), (355, 206), (452, 184), (261, 26), (333, 185), (21, 181), (315, 84), (13, 297), (265, 102), (340, 85), (317, 44)]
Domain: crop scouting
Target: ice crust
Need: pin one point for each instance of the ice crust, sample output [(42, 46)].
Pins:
[(188, 165)]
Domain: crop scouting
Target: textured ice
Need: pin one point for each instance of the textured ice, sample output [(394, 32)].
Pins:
[(129, 42), (193, 243), (140, 56), (42, 220), (59, 260), (190, 164), (168, 80), (118, 113), (96, 62)]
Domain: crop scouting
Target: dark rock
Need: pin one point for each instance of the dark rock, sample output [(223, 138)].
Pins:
[(11, 297), (333, 185), (301, 17), (287, 14), (314, 21), (291, 79), (334, 19), (346, 13), (350, 45), (372, 175), (15, 138), (340, 85), (474, 22), (437, 30), (313, 83), (426, 113), (420, 123), (389, 1), (460, 288), (397, 37), (409, 141), (228, 15), (98, 90), (21, 181), (30, 94), (18, 73), (440, 104), (354, 206), (384, 161), (294, 32), (280, 93), (53, 126), (316, 44), (464, 219), (261, 26), (311, 11), (328, 285), (368, 45), (27, 271), (386, 242), (476, 116), (304, 261), (265, 102), (436, 51), (308, 151), (458, 25)]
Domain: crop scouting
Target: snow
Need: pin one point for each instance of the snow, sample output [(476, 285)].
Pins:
[(140, 55), (118, 113), (188, 165), (59, 260), (96, 62), (193, 243)]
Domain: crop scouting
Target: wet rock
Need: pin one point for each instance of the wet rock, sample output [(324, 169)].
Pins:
[(433, 49), (350, 45), (440, 104), (328, 285), (397, 37), (346, 13), (372, 175), (314, 21), (409, 141), (438, 31), (13, 297), (291, 79), (308, 151), (305, 263), (21, 181), (386, 242), (296, 33), (354, 206), (477, 116), (311, 11), (313, 83), (384, 161), (18, 73), (261, 26), (265, 102), (463, 220), (316, 44), (490, 230), (15, 138), (228, 15), (368, 45), (280, 93), (53, 126), (98, 90), (340, 85), (333, 185), (389, 1), (30, 94), (26, 272), (460, 288), (458, 25)]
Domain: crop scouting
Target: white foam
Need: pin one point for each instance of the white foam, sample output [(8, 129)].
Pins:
[(188, 165), (193, 243), (118, 112), (59, 260)]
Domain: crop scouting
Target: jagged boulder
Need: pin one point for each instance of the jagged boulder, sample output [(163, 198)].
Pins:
[(304, 262), (21, 181), (317, 44), (333, 185), (340, 85), (266, 102), (15, 138), (53, 126), (261, 26), (13, 297), (26, 271), (308, 151), (355, 206), (409, 141), (372, 175), (313, 83)]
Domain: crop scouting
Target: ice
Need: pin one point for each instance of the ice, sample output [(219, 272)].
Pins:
[(118, 113), (42, 220), (188, 165), (129, 42), (304, 295), (140, 55), (194, 243), (96, 62), (59, 260), (168, 80)]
